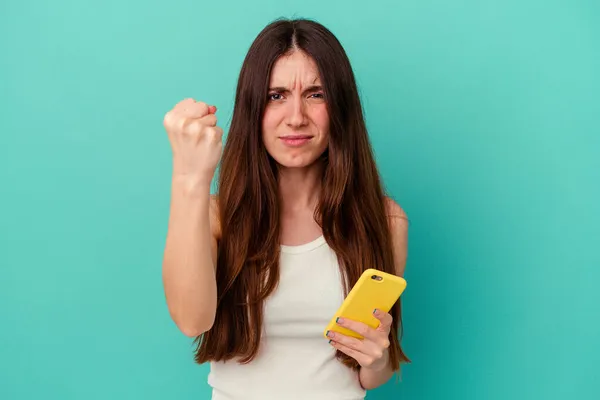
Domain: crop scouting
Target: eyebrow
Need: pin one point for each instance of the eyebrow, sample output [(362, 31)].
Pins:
[(281, 89)]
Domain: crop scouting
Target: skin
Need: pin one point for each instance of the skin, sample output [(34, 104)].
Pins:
[(372, 352), (297, 107)]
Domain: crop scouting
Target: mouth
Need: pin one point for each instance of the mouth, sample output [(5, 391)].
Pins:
[(295, 140)]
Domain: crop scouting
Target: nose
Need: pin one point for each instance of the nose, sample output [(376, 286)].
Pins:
[(296, 114)]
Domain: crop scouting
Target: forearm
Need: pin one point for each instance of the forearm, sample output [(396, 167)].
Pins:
[(371, 379), (188, 267)]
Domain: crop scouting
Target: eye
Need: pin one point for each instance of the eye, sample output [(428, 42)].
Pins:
[(274, 96), (317, 95)]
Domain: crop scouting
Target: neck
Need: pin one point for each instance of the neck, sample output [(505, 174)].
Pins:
[(300, 187)]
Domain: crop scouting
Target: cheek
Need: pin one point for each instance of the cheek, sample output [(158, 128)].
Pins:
[(270, 121), (320, 117)]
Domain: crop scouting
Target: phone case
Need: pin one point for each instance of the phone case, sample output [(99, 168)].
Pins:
[(368, 294)]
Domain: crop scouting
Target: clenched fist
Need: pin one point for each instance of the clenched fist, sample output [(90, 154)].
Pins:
[(196, 141)]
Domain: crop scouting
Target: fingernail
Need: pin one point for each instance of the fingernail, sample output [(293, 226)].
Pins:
[(330, 341), (339, 320), (375, 311), (330, 334)]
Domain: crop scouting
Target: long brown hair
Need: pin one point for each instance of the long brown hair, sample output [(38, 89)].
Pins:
[(351, 209)]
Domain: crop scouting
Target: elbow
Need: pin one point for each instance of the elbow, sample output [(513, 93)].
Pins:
[(194, 327), (193, 331)]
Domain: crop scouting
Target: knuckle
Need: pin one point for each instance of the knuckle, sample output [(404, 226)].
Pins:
[(369, 361), (183, 103), (214, 133), (191, 128), (170, 119), (363, 330), (378, 354), (167, 118), (211, 132), (183, 126), (386, 343), (209, 120), (212, 119), (202, 107)]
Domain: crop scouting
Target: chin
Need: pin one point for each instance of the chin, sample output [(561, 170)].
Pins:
[(287, 163), (295, 161)]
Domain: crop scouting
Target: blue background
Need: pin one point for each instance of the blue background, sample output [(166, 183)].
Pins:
[(485, 119)]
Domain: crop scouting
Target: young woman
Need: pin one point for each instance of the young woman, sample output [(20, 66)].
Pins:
[(255, 272)]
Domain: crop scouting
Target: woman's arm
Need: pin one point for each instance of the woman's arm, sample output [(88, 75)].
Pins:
[(190, 258), (369, 378)]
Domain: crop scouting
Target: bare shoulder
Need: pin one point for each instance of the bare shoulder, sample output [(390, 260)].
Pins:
[(215, 223), (398, 223), (393, 209)]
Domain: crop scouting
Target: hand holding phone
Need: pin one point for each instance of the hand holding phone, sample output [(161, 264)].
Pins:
[(374, 290), (362, 325)]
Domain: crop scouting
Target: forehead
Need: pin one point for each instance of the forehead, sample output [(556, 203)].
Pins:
[(295, 68)]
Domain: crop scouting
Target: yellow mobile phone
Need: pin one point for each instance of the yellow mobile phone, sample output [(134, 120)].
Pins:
[(374, 289)]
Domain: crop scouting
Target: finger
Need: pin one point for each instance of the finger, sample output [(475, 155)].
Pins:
[(209, 120), (189, 108), (190, 126), (184, 105), (359, 327), (197, 110), (215, 133), (351, 342), (386, 320), (363, 359), (367, 346), (195, 125)]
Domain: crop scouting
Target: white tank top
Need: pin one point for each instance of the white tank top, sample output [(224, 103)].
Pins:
[(294, 361)]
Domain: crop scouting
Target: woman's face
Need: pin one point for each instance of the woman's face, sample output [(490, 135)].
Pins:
[(295, 127)]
